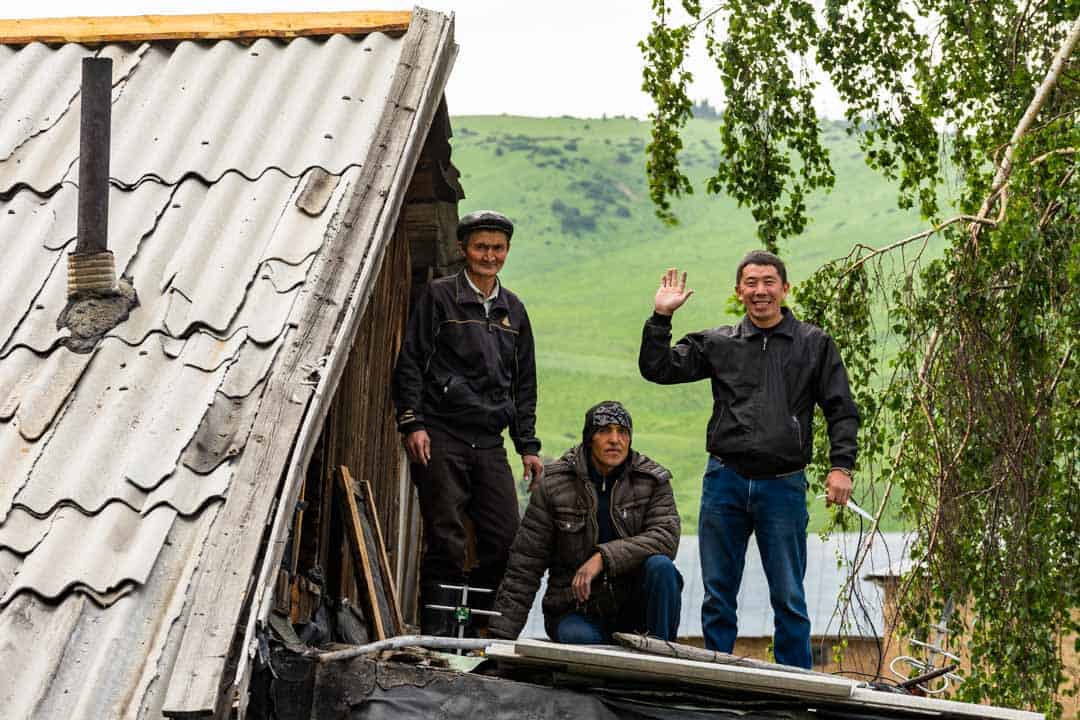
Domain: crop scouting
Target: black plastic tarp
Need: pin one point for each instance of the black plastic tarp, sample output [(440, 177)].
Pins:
[(294, 688)]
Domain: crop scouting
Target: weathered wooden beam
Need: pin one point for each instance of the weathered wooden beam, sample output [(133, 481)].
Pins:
[(380, 556), (354, 536), (217, 26), (292, 414)]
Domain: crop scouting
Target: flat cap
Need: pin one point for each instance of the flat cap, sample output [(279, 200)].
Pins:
[(484, 220)]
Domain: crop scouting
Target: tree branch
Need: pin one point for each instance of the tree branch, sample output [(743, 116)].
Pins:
[(1004, 168), (917, 236)]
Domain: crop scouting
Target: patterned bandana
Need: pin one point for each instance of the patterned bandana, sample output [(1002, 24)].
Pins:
[(609, 412)]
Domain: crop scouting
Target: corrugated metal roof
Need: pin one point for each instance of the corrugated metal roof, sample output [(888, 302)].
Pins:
[(828, 566), (233, 164)]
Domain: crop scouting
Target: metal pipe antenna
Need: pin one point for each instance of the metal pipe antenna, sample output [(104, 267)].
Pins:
[(91, 266)]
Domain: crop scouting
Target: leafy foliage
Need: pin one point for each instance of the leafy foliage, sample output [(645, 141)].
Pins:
[(965, 365)]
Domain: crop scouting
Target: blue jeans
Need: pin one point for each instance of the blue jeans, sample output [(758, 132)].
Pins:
[(732, 508), (662, 585)]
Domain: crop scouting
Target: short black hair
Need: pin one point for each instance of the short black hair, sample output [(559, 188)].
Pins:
[(761, 257)]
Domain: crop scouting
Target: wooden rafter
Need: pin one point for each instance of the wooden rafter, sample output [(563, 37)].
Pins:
[(217, 26)]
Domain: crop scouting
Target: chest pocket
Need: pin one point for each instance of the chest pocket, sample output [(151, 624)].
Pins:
[(570, 522), (631, 514), (570, 534), (466, 342)]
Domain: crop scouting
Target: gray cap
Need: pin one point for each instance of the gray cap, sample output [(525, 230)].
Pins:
[(484, 220)]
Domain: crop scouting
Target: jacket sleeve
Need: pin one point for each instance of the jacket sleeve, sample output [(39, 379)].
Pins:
[(529, 558), (523, 429), (659, 535), (666, 365), (841, 415), (416, 350)]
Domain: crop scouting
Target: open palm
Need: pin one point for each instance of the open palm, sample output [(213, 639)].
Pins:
[(672, 292)]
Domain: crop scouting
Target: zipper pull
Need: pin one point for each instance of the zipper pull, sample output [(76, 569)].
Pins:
[(764, 342), (603, 485)]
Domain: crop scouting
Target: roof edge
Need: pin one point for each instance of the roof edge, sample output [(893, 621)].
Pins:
[(216, 26)]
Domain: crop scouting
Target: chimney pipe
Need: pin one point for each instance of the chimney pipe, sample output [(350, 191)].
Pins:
[(91, 266)]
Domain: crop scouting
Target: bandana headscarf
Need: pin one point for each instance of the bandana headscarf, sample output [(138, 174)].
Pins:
[(609, 412)]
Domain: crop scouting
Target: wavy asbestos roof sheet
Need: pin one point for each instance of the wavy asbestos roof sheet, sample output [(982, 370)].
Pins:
[(235, 168), (202, 109)]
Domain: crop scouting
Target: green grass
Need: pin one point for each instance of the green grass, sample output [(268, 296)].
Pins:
[(588, 253)]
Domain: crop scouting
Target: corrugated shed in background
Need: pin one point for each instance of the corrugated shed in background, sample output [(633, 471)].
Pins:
[(828, 565), (232, 165)]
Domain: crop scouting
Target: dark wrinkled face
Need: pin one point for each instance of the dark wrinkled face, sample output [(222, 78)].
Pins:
[(485, 253), (762, 292), (610, 446)]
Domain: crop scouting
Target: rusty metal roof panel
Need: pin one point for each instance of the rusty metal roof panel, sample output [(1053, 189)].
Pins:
[(199, 108), (233, 164)]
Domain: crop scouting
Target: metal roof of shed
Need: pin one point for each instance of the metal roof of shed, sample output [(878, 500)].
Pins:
[(237, 168), (828, 566)]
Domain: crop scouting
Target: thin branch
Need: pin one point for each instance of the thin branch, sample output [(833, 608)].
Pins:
[(1055, 151), (917, 236), (705, 17)]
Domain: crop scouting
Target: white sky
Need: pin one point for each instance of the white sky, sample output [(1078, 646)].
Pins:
[(556, 57)]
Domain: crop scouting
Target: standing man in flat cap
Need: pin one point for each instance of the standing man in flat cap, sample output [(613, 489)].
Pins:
[(767, 373), (465, 373), (602, 522)]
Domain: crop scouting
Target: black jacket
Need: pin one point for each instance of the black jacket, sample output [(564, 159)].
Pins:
[(764, 390), (467, 374), (560, 532)]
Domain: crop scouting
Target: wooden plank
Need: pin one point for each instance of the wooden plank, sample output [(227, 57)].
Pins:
[(358, 546), (195, 686), (612, 659), (383, 562), (340, 279), (924, 706), (216, 26), (818, 691), (667, 648)]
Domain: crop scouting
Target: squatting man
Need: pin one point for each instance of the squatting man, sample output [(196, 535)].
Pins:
[(602, 522)]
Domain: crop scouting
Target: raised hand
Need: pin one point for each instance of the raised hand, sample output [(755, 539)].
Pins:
[(672, 292)]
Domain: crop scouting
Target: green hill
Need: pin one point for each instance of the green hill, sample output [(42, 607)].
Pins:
[(588, 254)]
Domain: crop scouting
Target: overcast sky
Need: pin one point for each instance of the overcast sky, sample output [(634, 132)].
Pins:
[(557, 57)]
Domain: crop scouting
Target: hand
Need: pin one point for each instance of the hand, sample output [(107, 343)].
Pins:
[(837, 488), (418, 447), (534, 469), (672, 293), (582, 583)]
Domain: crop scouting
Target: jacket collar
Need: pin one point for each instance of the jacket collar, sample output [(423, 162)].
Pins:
[(788, 321), (465, 294)]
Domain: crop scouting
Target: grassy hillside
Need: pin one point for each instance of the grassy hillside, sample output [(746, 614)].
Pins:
[(588, 254)]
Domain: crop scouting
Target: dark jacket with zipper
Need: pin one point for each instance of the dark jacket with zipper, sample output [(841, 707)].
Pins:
[(560, 532), (764, 390), (469, 374)]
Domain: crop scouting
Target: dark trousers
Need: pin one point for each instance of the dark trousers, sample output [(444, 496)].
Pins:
[(460, 482), (654, 609)]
